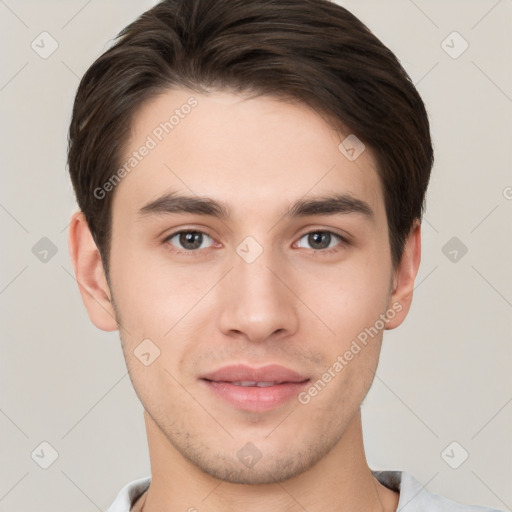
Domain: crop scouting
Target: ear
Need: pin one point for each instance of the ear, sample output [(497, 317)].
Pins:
[(90, 274), (404, 277)]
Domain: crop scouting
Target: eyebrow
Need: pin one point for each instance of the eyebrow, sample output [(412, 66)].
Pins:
[(332, 204)]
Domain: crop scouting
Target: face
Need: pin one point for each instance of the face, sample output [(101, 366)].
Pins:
[(264, 284)]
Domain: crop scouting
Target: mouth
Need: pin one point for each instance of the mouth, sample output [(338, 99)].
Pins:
[(255, 389), (251, 384)]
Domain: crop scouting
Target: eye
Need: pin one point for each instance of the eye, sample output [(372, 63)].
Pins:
[(188, 240), (191, 241), (320, 240)]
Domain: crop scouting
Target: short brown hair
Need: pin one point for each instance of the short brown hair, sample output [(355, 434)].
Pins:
[(313, 51)]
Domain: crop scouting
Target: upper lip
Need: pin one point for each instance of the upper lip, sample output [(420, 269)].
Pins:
[(242, 372)]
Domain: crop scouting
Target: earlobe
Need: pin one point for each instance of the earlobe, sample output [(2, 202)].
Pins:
[(90, 274), (404, 277)]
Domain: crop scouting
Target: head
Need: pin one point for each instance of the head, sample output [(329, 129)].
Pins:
[(264, 118)]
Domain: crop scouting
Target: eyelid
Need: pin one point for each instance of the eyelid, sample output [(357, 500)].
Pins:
[(345, 239), (176, 250), (315, 229)]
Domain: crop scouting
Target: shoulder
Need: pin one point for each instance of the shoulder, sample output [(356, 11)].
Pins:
[(129, 494), (415, 498)]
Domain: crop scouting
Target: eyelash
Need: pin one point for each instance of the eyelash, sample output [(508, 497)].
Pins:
[(194, 252)]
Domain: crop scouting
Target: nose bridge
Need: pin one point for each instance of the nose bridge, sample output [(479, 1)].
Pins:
[(256, 302), (258, 274)]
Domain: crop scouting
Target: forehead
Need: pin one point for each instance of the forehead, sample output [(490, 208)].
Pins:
[(253, 154)]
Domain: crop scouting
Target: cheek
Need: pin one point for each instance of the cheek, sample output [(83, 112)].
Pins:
[(348, 299), (352, 309), (170, 306), (151, 294)]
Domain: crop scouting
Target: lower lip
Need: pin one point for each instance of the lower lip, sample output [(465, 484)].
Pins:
[(253, 398)]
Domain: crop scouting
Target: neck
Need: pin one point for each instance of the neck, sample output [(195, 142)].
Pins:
[(340, 481)]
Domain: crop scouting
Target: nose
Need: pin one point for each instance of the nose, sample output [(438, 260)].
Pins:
[(257, 301)]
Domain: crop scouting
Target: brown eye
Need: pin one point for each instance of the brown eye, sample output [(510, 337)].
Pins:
[(322, 240), (187, 241)]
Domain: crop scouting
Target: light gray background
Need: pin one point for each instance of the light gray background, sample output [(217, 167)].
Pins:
[(444, 375)]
